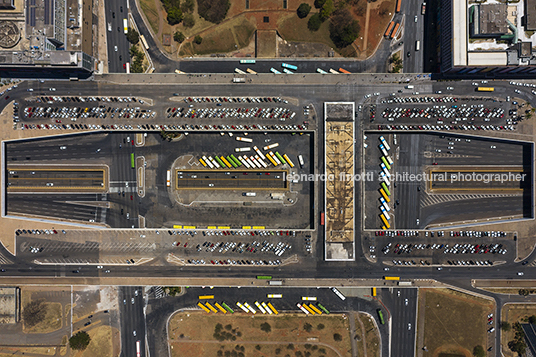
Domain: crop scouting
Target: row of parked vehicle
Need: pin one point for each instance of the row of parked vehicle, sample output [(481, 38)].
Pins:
[(74, 113), (56, 99), (462, 112), (233, 262), (458, 248), (38, 231), (446, 127), (277, 113), (235, 100), (400, 100)]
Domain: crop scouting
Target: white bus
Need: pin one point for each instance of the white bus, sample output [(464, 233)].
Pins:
[(308, 298), (239, 71), (125, 26), (338, 293), (384, 211), (300, 159), (168, 180), (384, 142), (138, 344), (275, 296), (331, 70), (321, 71), (382, 148), (143, 42)]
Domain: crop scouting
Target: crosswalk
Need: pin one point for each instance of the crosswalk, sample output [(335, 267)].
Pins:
[(434, 199), (160, 293)]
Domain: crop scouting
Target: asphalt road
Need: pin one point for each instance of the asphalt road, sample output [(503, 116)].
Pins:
[(413, 32), (116, 11), (402, 305), (55, 179), (232, 179), (132, 320)]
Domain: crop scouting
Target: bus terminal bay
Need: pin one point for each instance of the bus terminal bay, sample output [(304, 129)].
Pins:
[(270, 196)]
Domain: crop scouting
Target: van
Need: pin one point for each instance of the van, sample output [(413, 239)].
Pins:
[(249, 194), (417, 45), (409, 87)]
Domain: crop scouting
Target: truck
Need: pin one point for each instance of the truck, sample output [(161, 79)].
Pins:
[(249, 194), (239, 80), (409, 87)]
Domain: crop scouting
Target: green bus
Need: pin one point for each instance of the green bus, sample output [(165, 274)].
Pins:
[(384, 186), (219, 161), (236, 160), (321, 307), (231, 161), (247, 61), (227, 307), (386, 163), (380, 315), (132, 163), (283, 161), (264, 277)]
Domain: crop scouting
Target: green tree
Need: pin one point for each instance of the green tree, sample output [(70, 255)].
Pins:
[(320, 327), (307, 327), (198, 39), (133, 36), (258, 347), (188, 6), (79, 341), (188, 21), (228, 327), (532, 319), (290, 346), (303, 10), (34, 312), (505, 326), (327, 9), (343, 29), (213, 10), (314, 22), (179, 37), (319, 3), (478, 351), (518, 346), (266, 327), (174, 16), (337, 337)]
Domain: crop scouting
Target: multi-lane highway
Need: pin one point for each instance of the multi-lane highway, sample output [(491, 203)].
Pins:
[(132, 312), (116, 39)]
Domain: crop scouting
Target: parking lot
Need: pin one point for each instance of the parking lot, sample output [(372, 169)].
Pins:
[(232, 180), (443, 113)]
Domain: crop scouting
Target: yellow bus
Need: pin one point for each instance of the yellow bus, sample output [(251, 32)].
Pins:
[(273, 308), (391, 278), (485, 89), (387, 225), (250, 71), (220, 308), (202, 162), (203, 307), (308, 309), (315, 309), (373, 291), (385, 195), (211, 307), (226, 162), (206, 297)]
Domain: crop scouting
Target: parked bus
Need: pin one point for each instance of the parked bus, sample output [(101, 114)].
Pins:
[(373, 291), (385, 195), (338, 293), (321, 307), (242, 307), (321, 71), (219, 161), (127, 67), (227, 307), (206, 297), (236, 160), (417, 45), (211, 308), (273, 308), (385, 171), (342, 70), (303, 309), (384, 212), (239, 71), (385, 178), (384, 186), (389, 160), (264, 277), (168, 179), (384, 151), (389, 29), (268, 310), (260, 307), (203, 307), (485, 89), (386, 163), (231, 162), (309, 309), (275, 71), (179, 72), (125, 26), (308, 298), (202, 162), (384, 142), (247, 61), (385, 205), (275, 296), (274, 145), (289, 66), (398, 3), (291, 164), (380, 315), (250, 308), (312, 307), (331, 70), (220, 308), (396, 278), (321, 218), (250, 71), (144, 42), (385, 222), (132, 163), (138, 348), (395, 30), (287, 71), (300, 159), (271, 160), (247, 140), (283, 161)]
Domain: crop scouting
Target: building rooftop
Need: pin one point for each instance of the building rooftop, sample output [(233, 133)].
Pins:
[(530, 15), (491, 19)]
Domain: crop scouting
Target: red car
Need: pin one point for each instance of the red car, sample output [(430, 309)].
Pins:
[(131, 198), (124, 66)]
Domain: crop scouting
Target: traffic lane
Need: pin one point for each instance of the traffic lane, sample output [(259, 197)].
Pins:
[(117, 11), (132, 320), (55, 184), (231, 180)]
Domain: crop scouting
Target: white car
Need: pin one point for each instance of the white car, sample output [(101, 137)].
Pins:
[(63, 147), (415, 18), (115, 48)]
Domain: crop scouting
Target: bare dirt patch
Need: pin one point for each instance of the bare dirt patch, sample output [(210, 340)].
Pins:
[(287, 334), (101, 342), (371, 335), (266, 43), (454, 322), (381, 13), (513, 313), (148, 7)]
